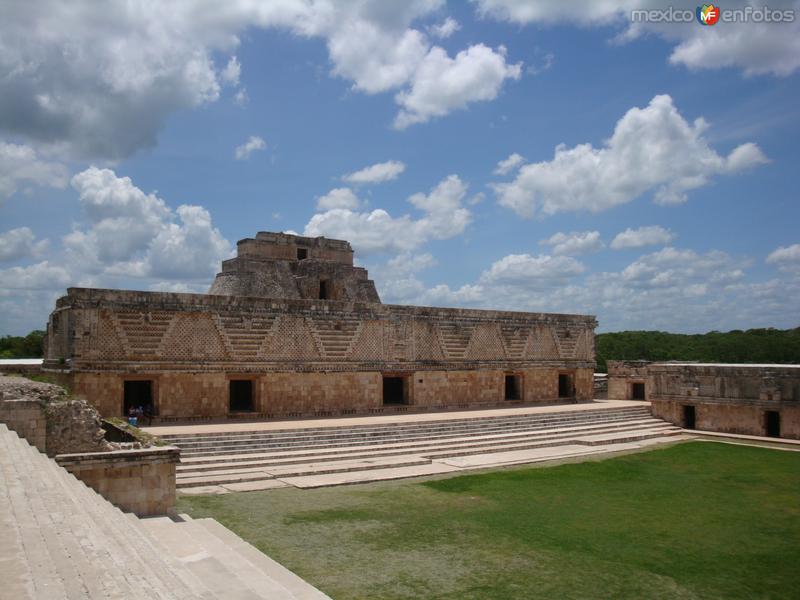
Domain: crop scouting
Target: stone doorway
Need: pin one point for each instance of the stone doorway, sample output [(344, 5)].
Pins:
[(689, 420), (138, 393), (394, 391), (637, 391), (241, 395), (772, 423), (565, 387), (513, 387)]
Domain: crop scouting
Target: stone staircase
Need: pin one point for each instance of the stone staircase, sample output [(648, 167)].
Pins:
[(61, 540), (314, 457)]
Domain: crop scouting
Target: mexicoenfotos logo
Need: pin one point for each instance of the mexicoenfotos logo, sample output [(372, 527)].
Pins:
[(708, 14)]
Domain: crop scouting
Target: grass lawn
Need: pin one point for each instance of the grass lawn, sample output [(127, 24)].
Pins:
[(694, 520)]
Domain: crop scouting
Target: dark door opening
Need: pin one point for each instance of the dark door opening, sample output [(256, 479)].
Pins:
[(323, 290), (241, 395), (302, 253), (637, 391), (565, 386), (688, 417), (512, 387), (394, 390), (772, 420), (138, 394)]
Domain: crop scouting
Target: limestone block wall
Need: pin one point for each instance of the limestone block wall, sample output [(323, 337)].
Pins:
[(727, 398), (306, 356), (622, 373), (137, 481), (26, 417)]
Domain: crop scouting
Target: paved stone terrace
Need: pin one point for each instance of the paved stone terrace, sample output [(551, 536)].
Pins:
[(234, 457), (61, 540)]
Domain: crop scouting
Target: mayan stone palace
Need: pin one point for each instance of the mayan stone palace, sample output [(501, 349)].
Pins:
[(291, 328)]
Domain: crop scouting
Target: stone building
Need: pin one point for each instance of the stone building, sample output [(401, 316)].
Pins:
[(761, 400), (291, 328)]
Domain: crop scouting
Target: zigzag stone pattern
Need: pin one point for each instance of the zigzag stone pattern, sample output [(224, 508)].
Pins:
[(291, 328)]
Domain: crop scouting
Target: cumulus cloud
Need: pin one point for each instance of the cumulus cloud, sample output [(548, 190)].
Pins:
[(253, 144), (20, 163), (40, 276), (786, 258), (574, 243), (75, 78), (442, 84), (377, 173), (377, 232), (505, 166), (20, 243), (133, 234), (338, 198), (445, 29), (653, 149), (755, 48), (651, 235)]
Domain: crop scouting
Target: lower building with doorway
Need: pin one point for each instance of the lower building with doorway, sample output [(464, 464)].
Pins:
[(748, 399), (291, 328)]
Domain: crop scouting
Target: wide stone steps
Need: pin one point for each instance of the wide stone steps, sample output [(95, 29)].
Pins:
[(203, 462), (306, 457), (195, 444), (62, 540)]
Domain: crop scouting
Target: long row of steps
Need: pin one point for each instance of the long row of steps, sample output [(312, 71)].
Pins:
[(62, 540), (309, 457)]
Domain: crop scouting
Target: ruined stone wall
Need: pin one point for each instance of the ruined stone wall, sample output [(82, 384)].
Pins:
[(308, 356), (727, 398), (622, 373)]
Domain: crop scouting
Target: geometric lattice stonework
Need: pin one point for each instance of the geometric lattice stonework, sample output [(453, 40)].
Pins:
[(107, 343), (144, 330), (515, 338), (369, 343), (291, 339), (193, 336), (426, 342), (485, 343), (567, 339), (542, 345), (582, 346), (245, 334), (455, 338)]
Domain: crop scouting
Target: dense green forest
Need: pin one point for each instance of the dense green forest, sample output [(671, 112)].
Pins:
[(29, 346), (751, 346)]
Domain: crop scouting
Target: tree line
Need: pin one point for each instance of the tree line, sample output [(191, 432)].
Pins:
[(737, 346), (28, 346)]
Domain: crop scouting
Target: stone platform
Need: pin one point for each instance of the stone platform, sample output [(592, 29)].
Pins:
[(234, 456), (61, 540)]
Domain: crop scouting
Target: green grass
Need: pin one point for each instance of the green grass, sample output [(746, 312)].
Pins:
[(695, 520)]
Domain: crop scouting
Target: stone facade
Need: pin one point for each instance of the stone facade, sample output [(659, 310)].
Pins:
[(26, 417), (627, 379), (139, 481), (294, 354), (762, 400)]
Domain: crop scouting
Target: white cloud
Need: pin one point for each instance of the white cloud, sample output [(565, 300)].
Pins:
[(531, 272), (20, 243), (232, 71), (786, 258), (651, 235), (653, 149), (442, 84), (20, 163), (76, 78), (253, 144), (240, 97), (133, 234), (445, 29), (574, 243), (507, 165), (756, 48), (397, 279), (377, 232), (40, 276), (338, 198), (377, 173)]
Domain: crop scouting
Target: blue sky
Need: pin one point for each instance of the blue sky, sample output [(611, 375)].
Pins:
[(492, 154)]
